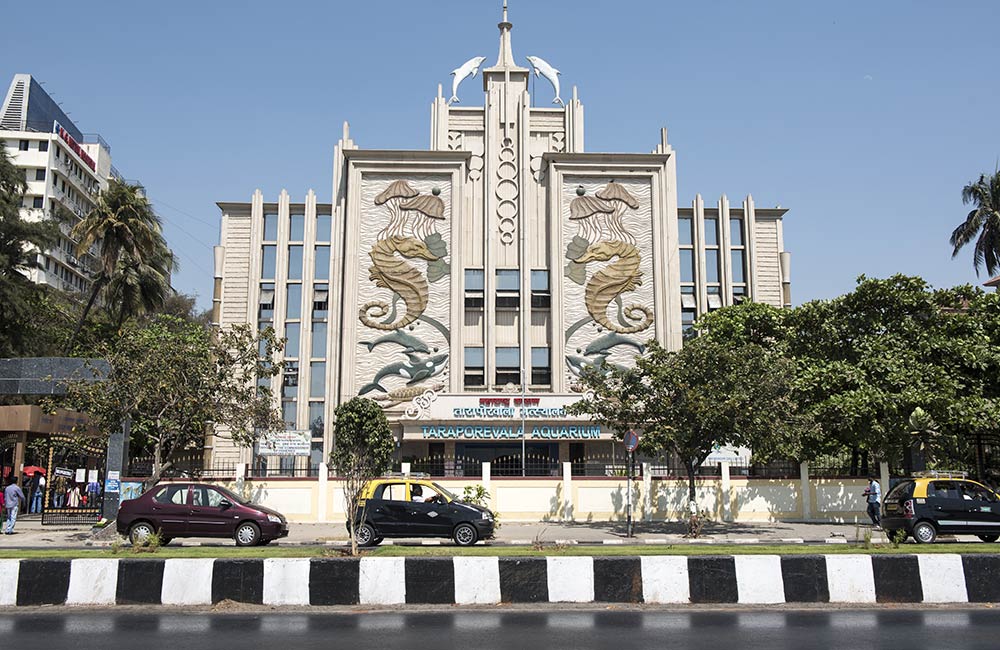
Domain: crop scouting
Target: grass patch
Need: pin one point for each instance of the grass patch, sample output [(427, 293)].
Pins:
[(504, 551)]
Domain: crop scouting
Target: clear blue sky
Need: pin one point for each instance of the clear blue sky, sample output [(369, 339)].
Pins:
[(864, 118)]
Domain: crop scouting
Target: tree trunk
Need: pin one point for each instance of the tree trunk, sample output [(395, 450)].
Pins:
[(98, 284), (854, 461), (690, 467)]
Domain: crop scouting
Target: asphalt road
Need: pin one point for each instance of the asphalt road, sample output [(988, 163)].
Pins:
[(514, 630)]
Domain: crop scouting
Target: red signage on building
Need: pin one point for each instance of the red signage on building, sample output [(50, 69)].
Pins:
[(72, 144)]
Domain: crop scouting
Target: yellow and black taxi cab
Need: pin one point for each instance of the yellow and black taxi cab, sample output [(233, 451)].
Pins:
[(413, 506), (934, 502)]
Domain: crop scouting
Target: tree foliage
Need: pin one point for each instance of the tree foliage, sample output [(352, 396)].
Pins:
[(363, 451), (134, 260), (174, 380), (708, 393)]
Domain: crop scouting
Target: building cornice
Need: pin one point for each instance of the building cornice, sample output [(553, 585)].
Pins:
[(607, 158), (406, 155)]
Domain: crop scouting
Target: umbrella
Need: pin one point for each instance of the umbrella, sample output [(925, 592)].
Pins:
[(31, 470)]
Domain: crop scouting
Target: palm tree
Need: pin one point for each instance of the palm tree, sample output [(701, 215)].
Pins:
[(139, 286), (982, 223), (125, 228)]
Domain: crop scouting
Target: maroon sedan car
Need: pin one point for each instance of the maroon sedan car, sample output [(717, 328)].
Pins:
[(195, 510)]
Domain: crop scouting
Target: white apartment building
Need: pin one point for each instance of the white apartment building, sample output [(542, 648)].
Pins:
[(466, 287), (63, 167)]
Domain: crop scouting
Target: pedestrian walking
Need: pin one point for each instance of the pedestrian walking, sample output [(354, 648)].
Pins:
[(58, 491), (13, 497), (37, 496), (73, 496), (873, 495)]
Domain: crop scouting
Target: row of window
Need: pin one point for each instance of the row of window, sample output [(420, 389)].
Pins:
[(269, 257), (508, 289), (293, 302), (297, 227), (43, 145), (508, 366)]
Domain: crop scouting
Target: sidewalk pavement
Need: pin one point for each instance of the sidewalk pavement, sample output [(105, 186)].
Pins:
[(29, 533)]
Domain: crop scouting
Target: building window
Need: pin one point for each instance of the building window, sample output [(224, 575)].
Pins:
[(688, 317), (714, 299), (711, 266), (687, 265), (294, 262), (293, 306), (290, 380), (36, 202), (23, 145), (541, 297), (322, 271), (288, 413), (43, 145), (316, 422), (324, 225), (508, 289), (265, 310), (271, 227), (317, 379), (268, 263), (296, 227), (508, 366), (739, 273), (293, 335), (685, 231), (318, 340), (739, 294), (736, 232), (541, 368), (321, 301), (711, 231), (39, 174), (475, 370), (474, 288)]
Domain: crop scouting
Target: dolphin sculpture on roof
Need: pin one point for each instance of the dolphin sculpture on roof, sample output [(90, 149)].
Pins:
[(461, 73), (541, 67)]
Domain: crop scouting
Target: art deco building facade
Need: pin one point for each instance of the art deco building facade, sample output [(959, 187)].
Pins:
[(466, 287)]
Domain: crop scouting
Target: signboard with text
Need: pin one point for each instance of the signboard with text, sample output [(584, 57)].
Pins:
[(285, 443)]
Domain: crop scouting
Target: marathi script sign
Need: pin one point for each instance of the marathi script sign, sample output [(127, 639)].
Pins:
[(285, 443), (495, 407)]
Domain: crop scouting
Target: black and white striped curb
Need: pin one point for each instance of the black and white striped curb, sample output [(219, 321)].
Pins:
[(748, 579)]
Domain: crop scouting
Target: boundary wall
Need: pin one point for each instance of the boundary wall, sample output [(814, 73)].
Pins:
[(569, 498)]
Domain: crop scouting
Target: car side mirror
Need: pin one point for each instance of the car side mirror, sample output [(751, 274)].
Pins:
[(225, 503)]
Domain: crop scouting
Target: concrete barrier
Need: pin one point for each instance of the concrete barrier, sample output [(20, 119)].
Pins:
[(743, 579)]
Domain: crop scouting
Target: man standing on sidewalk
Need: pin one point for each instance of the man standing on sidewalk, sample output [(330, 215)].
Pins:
[(873, 494), (13, 497)]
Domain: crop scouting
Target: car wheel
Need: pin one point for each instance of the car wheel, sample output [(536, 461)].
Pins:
[(365, 535), (988, 538), (465, 535), (924, 532), (140, 533), (247, 534)]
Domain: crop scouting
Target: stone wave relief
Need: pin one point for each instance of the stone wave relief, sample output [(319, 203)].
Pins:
[(403, 338), (609, 309)]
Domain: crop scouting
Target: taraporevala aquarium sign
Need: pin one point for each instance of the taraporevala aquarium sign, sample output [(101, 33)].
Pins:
[(511, 432)]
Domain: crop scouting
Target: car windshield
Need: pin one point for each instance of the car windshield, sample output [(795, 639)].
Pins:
[(451, 497), (229, 495)]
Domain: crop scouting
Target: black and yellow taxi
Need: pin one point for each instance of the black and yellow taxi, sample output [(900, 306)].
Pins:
[(409, 506), (934, 503)]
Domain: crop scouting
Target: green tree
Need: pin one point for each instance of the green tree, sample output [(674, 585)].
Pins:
[(128, 234), (706, 394), (174, 380), (20, 242), (982, 223), (362, 451)]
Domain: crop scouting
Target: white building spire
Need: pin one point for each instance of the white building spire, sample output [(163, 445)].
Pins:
[(506, 57)]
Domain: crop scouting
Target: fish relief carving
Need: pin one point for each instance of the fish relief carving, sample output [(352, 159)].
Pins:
[(602, 237)]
